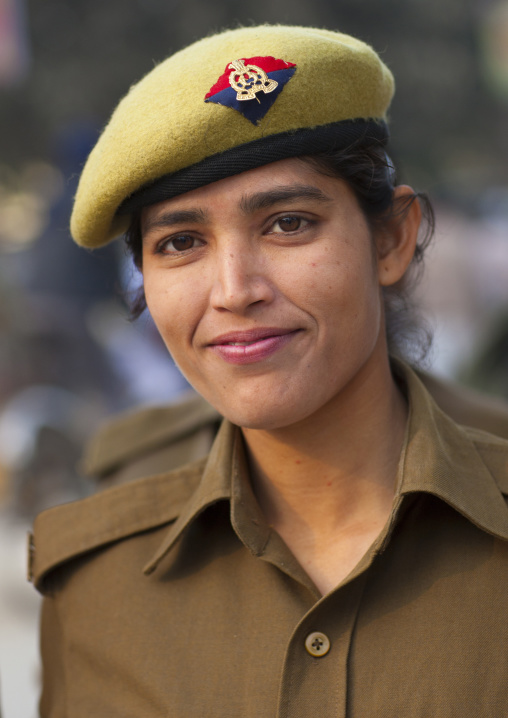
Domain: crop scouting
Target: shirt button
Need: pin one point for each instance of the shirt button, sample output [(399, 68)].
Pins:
[(317, 644)]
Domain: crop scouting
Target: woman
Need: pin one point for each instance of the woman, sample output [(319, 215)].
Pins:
[(343, 549)]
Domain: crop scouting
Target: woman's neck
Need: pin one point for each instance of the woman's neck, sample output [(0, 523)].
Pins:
[(326, 485)]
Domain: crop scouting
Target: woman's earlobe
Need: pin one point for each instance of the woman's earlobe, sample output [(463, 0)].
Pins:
[(400, 236)]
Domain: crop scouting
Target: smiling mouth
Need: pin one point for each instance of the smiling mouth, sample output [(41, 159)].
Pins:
[(251, 346)]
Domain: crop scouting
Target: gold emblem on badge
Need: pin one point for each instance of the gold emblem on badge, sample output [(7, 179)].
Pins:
[(246, 80)]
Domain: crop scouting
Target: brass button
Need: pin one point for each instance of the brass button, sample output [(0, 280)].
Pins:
[(317, 644)]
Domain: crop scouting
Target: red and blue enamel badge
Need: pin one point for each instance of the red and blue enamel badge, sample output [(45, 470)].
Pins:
[(251, 85)]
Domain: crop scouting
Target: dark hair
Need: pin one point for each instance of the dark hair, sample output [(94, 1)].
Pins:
[(371, 175)]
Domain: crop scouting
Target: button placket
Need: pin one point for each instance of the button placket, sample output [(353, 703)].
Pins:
[(316, 663)]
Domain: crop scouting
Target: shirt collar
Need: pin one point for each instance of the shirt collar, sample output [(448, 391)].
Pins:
[(438, 457), (215, 486)]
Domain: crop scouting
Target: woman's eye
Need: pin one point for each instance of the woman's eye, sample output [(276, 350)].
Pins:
[(288, 224)]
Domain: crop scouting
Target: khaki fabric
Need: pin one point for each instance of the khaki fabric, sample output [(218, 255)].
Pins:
[(171, 596), (151, 440), (156, 439), (469, 407)]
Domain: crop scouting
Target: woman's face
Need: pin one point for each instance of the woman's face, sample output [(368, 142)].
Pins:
[(264, 287)]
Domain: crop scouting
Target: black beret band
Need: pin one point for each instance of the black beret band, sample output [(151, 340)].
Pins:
[(335, 136)]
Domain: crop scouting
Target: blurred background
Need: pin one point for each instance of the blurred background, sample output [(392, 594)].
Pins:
[(68, 354)]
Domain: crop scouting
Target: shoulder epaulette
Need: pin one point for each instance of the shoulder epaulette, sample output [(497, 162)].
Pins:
[(70, 530), (139, 431)]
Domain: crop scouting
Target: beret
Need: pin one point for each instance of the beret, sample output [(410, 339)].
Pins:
[(225, 104)]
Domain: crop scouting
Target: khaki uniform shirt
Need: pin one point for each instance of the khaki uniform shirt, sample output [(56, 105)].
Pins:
[(171, 596)]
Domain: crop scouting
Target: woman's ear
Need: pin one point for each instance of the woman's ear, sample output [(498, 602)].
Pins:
[(396, 243)]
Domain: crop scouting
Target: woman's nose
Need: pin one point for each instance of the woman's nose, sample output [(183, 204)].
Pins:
[(240, 282)]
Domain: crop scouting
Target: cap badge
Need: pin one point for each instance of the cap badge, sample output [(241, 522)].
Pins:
[(249, 79), (254, 78)]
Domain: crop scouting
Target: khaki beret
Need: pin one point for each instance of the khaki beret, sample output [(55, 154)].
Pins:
[(223, 105)]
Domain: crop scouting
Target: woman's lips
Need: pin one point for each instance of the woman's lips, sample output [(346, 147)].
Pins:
[(247, 347)]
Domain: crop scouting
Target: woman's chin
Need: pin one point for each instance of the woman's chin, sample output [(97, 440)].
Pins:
[(260, 421), (264, 416)]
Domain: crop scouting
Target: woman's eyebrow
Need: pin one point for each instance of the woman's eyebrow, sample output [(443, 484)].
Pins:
[(262, 200), (169, 219)]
